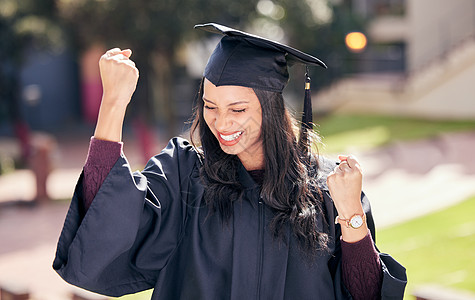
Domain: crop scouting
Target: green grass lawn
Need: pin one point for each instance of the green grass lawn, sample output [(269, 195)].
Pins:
[(342, 132), (435, 249)]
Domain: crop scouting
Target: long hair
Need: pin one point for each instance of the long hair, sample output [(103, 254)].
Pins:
[(288, 187)]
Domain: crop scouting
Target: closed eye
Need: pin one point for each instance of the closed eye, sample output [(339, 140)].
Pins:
[(209, 107), (239, 110)]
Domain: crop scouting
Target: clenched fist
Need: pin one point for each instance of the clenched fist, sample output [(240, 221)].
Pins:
[(119, 80), (345, 184), (119, 77)]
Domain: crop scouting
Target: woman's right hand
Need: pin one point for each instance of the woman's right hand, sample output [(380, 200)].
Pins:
[(119, 77), (119, 80)]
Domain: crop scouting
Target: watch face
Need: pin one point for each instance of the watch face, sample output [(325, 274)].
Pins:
[(356, 222)]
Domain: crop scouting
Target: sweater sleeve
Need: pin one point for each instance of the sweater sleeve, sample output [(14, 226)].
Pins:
[(361, 269), (101, 158)]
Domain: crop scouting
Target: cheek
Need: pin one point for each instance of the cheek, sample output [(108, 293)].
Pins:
[(209, 120)]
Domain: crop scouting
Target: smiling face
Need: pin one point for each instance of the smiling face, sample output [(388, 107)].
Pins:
[(234, 116)]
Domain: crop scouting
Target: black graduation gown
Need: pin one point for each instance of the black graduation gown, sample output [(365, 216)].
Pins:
[(150, 229)]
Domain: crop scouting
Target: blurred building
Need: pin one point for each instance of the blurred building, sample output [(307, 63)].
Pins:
[(49, 92), (419, 61)]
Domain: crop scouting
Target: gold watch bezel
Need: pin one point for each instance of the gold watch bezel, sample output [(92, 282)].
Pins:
[(349, 222)]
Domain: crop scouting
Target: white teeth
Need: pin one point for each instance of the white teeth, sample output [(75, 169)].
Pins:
[(231, 137)]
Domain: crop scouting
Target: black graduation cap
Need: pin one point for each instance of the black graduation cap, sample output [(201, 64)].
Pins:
[(249, 60)]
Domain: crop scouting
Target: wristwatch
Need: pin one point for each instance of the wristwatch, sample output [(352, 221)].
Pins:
[(355, 222)]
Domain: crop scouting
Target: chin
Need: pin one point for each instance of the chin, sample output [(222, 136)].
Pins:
[(231, 150)]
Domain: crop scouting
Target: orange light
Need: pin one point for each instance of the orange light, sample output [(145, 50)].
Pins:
[(356, 41)]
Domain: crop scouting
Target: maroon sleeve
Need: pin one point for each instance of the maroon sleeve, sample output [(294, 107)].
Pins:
[(361, 269), (101, 158)]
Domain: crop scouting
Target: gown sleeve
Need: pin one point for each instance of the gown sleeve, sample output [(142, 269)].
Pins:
[(109, 249)]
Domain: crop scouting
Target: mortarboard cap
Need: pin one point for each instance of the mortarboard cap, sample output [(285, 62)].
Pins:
[(249, 60)]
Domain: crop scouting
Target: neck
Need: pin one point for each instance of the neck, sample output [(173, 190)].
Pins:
[(252, 161)]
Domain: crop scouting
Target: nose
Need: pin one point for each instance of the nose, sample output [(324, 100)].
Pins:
[(223, 122)]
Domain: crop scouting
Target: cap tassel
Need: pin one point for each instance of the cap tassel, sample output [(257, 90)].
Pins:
[(306, 118)]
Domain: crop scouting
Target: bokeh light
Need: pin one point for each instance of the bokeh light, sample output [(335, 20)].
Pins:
[(356, 41)]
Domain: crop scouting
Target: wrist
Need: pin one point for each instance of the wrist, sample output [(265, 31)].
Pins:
[(109, 122), (353, 229), (348, 213), (351, 235), (113, 103)]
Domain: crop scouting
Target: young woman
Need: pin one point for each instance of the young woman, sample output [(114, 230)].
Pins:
[(242, 212)]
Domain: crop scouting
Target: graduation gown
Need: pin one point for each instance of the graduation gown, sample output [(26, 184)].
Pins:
[(151, 229)]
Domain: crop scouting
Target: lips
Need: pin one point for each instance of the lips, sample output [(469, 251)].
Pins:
[(229, 139)]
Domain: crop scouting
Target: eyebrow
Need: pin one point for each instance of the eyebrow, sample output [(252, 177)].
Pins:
[(230, 104)]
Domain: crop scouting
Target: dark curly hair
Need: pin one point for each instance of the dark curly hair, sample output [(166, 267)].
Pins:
[(289, 187)]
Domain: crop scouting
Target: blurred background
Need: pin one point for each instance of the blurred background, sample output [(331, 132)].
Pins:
[(399, 93)]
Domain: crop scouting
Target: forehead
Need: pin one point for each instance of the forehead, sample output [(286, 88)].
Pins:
[(228, 93)]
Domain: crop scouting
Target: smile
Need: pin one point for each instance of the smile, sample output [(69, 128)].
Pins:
[(230, 137)]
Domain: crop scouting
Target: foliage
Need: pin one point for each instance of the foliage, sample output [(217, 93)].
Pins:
[(28, 23), (153, 25), (164, 25), (435, 249), (156, 31)]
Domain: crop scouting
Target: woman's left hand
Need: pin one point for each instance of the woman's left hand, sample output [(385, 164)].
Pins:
[(345, 184)]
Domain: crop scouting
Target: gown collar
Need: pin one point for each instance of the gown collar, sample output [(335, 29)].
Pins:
[(245, 178)]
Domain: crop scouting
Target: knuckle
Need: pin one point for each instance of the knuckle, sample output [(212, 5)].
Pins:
[(115, 62)]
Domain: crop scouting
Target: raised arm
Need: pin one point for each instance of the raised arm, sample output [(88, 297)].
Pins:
[(119, 80)]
